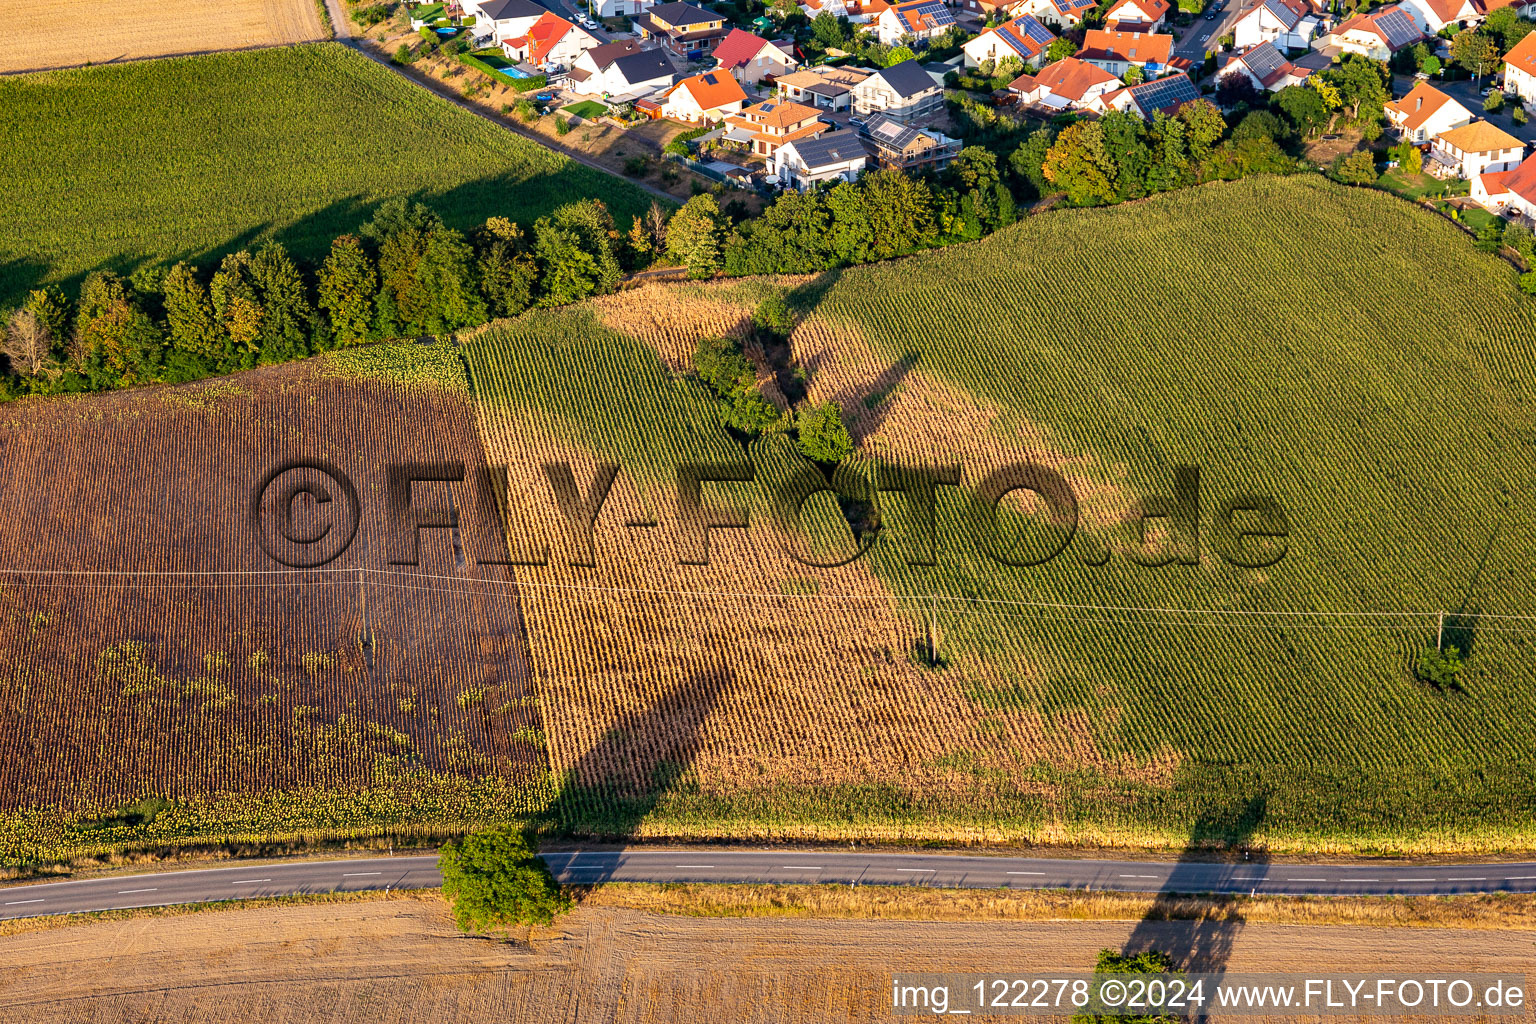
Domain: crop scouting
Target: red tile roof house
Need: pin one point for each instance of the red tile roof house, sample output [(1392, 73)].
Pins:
[(1520, 69), (711, 96), (913, 19), (750, 58), (1378, 35), (1116, 51), (550, 42), (1137, 15), (1510, 193), (1068, 83), (859, 12), (1425, 113)]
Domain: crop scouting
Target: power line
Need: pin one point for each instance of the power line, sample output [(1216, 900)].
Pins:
[(217, 579)]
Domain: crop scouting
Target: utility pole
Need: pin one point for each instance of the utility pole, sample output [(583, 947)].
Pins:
[(933, 643), (1440, 632)]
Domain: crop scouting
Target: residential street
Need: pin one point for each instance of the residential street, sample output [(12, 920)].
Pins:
[(1202, 35)]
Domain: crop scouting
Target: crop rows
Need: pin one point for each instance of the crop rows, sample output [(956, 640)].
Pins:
[(319, 135), (1383, 399)]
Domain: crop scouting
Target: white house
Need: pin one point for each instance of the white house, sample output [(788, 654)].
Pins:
[(1265, 67), (1377, 35), (1057, 13), (549, 42), (858, 12), (913, 19), (1137, 15), (1433, 15), (1510, 193), (1068, 83), (1116, 51), (833, 156), (749, 58), (707, 97), (1289, 24), (1023, 38), (503, 19), (1474, 149), (1425, 113), (621, 8), (1161, 96), (1520, 69), (621, 70), (905, 91)]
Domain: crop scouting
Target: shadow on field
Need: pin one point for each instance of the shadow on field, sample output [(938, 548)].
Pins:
[(1205, 945), (616, 784)]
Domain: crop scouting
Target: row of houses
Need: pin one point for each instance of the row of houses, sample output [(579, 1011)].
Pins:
[(1075, 84)]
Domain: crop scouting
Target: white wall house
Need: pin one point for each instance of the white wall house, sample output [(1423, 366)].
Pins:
[(550, 42), (1508, 193), (1520, 69), (503, 19), (1265, 67), (620, 8), (913, 19), (1378, 35), (806, 163), (905, 91), (1137, 15), (1068, 83), (1433, 15), (1058, 14), (1425, 113), (1476, 148), (1026, 39), (707, 97), (1289, 24), (621, 70)]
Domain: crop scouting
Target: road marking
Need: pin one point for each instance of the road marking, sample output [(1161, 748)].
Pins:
[(1358, 878), (693, 865), (1040, 873), (1249, 878), (18, 903), (1479, 878), (1306, 879), (1518, 878), (125, 892), (1415, 879), (353, 874), (250, 881), (920, 871), (800, 867), (1138, 876)]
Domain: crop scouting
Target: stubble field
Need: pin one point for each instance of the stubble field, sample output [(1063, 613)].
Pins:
[(74, 32), (402, 960)]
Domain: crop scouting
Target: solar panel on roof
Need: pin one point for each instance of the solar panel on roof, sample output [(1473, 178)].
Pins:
[(1263, 60), (1399, 28), (1163, 93), (1287, 17), (1030, 28)]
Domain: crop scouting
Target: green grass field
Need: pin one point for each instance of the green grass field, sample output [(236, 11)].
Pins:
[(193, 157), (586, 108), (1331, 347)]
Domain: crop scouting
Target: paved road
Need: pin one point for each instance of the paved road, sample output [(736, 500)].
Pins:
[(710, 864), (1203, 35)]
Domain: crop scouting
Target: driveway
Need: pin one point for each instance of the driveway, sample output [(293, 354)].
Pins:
[(1469, 94)]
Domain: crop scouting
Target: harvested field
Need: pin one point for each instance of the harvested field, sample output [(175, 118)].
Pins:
[(151, 647), (402, 960), (52, 35)]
